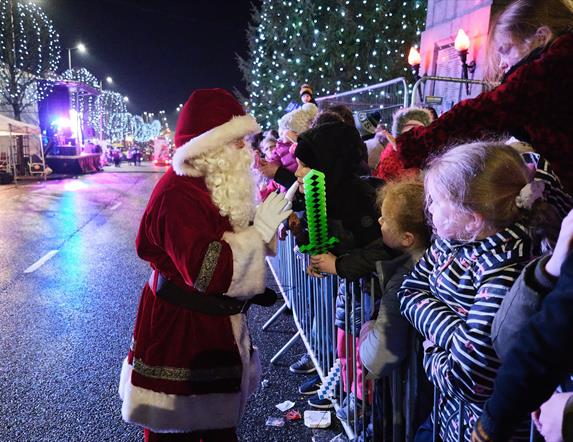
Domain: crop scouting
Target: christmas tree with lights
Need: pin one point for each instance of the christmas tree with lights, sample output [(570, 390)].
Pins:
[(333, 45)]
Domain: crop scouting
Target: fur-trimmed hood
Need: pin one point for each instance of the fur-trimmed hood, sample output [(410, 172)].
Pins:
[(222, 135)]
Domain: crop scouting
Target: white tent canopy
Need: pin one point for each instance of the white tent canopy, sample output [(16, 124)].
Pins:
[(30, 161), (9, 127)]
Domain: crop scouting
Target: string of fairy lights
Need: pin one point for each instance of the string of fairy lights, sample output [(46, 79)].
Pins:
[(106, 111), (29, 51), (335, 46)]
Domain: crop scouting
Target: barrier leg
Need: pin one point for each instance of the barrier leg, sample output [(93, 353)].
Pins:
[(275, 316), (285, 348), (436, 414)]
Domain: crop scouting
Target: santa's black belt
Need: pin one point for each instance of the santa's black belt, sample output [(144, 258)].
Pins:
[(214, 304)]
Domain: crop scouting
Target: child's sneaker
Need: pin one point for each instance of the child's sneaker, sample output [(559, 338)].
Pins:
[(311, 386), (322, 404), (303, 366), (346, 410)]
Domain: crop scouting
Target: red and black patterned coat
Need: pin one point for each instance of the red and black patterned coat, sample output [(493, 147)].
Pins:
[(535, 99)]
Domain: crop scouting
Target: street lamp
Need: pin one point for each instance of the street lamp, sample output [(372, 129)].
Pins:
[(126, 99), (80, 47), (109, 80)]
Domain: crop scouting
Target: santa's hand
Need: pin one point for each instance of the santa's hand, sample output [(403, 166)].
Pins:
[(270, 214)]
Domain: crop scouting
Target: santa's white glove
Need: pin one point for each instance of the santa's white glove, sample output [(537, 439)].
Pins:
[(270, 214)]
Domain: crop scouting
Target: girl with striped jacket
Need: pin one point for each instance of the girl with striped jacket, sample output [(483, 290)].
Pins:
[(483, 199)]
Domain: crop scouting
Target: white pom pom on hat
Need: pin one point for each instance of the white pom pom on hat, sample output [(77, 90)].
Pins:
[(299, 119)]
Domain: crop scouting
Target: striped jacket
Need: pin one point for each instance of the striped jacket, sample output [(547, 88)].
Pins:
[(451, 298)]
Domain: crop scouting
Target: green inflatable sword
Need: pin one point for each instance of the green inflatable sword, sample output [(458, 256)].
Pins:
[(315, 202)]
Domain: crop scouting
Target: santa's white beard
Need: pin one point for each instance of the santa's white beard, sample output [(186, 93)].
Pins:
[(228, 177)]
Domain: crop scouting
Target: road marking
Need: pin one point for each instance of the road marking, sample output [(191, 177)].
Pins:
[(115, 206), (39, 263)]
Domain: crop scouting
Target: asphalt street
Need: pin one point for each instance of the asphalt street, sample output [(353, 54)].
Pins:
[(69, 286)]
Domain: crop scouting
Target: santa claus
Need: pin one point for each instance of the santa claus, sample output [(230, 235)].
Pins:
[(191, 365)]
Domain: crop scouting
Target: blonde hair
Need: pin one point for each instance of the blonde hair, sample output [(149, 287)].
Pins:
[(407, 199), (481, 177), (520, 21)]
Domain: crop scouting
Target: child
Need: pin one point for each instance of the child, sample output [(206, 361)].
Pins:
[(538, 362), (281, 164), (403, 121), (481, 198), (269, 142), (332, 148), (384, 342)]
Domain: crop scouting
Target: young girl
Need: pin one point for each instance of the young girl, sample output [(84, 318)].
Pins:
[(281, 164), (384, 341), (531, 47), (481, 197)]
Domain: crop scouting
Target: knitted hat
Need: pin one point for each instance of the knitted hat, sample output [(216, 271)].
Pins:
[(210, 118), (400, 118), (305, 89), (299, 119)]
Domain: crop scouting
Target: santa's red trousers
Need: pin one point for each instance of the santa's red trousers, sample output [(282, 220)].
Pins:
[(223, 435)]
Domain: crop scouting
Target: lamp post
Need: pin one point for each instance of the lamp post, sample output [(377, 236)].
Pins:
[(80, 47), (462, 45), (414, 60)]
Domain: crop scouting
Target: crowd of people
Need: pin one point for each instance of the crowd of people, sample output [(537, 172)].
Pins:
[(466, 220)]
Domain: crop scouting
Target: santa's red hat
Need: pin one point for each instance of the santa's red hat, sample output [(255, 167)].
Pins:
[(210, 118)]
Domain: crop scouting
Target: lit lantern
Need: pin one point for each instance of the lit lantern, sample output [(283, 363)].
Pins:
[(462, 42)]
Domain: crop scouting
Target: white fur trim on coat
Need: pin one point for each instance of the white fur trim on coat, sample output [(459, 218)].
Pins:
[(233, 129), (249, 252), (170, 413)]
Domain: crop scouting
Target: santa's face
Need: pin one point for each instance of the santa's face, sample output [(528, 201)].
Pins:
[(306, 98)]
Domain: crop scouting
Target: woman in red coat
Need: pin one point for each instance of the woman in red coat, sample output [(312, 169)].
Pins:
[(531, 45), (191, 365)]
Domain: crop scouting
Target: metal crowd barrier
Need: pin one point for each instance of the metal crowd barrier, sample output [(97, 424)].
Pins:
[(313, 304)]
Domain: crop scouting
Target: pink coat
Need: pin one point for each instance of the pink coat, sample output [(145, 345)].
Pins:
[(282, 156)]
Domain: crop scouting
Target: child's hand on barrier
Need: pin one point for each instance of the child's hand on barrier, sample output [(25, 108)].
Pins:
[(325, 263), (310, 270), (563, 246)]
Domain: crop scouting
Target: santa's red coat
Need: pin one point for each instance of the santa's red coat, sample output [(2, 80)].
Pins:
[(188, 371)]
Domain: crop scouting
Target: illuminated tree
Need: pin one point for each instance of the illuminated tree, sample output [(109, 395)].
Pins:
[(29, 54), (334, 45)]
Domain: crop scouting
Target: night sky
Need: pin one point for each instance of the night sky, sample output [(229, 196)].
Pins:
[(157, 52)]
